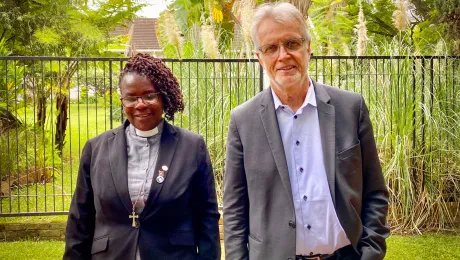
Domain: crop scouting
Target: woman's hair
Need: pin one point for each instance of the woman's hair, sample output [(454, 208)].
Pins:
[(161, 77), (284, 13)]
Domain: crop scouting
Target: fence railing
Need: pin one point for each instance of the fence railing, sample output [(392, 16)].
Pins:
[(50, 106)]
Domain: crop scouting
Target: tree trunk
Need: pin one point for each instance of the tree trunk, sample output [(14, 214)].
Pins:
[(62, 104), (41, 111)]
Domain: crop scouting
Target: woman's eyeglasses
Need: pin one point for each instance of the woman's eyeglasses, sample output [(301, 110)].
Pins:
[(131, 101), (289, 45)]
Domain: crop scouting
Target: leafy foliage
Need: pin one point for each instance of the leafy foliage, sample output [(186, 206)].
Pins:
[(191, 16), (24, 148), (62, 27), (434, 25), (332, 27), (10, 84)]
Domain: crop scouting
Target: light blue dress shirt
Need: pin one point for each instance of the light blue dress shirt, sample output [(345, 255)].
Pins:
[(318, 230)]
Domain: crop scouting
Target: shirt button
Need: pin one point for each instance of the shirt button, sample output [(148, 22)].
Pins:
[(305, 198), (295, 117), (292, 224), (308, 226), (311, 253), (301, 169), (282, 107), (297, 142)]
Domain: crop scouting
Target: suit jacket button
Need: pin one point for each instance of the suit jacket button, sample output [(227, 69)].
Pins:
[(292, 224)]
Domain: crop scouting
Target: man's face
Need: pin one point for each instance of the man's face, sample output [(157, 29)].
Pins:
[(143, 115), (285, 68)]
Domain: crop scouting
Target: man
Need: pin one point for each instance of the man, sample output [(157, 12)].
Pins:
[(303, 178)]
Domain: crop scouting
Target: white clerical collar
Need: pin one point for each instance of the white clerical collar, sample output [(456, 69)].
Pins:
[(148, 133)]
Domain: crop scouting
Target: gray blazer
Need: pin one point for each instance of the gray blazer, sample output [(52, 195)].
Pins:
[(259, 217)]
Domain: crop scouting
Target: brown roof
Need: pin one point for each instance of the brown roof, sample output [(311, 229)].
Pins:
[(120, 30), (144, 34), (141, 32), (143, 37)]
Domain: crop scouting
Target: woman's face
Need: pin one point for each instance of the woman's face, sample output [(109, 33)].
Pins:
[(143, 115)]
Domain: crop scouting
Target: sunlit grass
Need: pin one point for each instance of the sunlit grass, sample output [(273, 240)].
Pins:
[(428, 246), (42, 250)]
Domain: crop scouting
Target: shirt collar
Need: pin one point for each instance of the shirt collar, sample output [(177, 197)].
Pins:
[(309, 99)]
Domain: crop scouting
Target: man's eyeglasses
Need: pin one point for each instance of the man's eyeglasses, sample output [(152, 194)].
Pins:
[(131, 101), (290, 45)]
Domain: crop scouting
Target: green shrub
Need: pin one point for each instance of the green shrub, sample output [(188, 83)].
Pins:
[(24, 148)]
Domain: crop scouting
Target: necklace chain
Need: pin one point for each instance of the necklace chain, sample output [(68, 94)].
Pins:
[(141, 191)]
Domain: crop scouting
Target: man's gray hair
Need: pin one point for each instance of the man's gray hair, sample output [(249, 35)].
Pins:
[(284, 13)]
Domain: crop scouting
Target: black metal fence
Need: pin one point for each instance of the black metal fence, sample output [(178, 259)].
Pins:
[(50, 106)]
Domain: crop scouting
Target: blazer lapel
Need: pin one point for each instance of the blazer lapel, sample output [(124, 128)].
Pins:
[(326, 115), (118, 158), (271, 127), (168, 144)]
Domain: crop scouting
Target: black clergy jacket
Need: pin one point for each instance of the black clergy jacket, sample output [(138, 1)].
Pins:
[(180, 218)]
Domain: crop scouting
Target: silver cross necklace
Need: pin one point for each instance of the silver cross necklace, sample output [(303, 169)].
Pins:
[(133, 215)]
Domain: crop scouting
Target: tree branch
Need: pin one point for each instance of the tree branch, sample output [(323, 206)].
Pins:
[(382, 24), (3, 34), (8, 39), (421, 8), (229, 12)]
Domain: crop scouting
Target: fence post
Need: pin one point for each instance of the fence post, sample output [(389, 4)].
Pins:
[(110, 99), (414, 129), (422, 112), (261, 78)]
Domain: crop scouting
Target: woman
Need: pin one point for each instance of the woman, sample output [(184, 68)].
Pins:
[(145, 190)]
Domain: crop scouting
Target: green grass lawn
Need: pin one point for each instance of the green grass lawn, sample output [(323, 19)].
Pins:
[(428, 246), (424, 247)]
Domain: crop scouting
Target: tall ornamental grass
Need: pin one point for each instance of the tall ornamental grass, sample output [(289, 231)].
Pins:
[(211, 89), (413, 101), (415, 109)]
